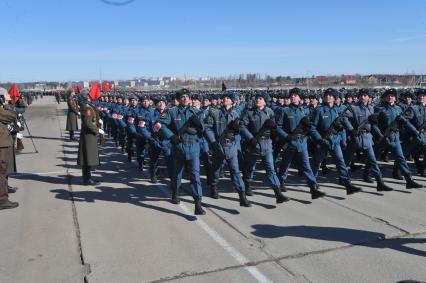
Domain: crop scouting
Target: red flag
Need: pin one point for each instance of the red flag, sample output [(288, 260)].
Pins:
[(14, 93), (106, 86), (95, 92), (77, 89)]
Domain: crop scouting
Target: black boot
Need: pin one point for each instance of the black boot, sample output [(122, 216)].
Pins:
[(280, 197), (249, 191), (8, 204), (175, 197), (367, 178), (411, 184), (396, 173), (129, 156), (154, 179), (91, 182), (324, 170), (315, 192), (382, 187), (243, 200), (213, 192), (351, 189), (198, 208), (282, 187)]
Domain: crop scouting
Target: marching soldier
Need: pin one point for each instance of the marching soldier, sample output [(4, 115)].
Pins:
[(88, 155), (221, 127), (256, 126), (326, 130), (183, 127), (357, 120), (294, 127), (387, 130)]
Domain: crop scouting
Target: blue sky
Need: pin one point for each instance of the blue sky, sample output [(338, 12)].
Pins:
[(74, 39)]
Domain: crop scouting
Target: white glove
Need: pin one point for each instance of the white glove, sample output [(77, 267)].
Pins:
[(101, 132), (9, 127), (19, 124), (19, 115), (79, 114), (19, 136), (101, 121)]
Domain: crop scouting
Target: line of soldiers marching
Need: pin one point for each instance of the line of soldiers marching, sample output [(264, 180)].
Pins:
[(280, 128)]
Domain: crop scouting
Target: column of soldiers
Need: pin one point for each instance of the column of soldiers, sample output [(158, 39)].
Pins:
[(234, 130)]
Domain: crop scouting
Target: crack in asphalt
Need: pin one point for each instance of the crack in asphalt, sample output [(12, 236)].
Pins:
[(86, 266)]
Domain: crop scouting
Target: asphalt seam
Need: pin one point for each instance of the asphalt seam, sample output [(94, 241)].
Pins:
[(86, 267), (373, 218), (278, 259)]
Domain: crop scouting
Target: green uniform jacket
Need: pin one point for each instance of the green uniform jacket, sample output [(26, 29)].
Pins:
[(72, 115), (88, 154)]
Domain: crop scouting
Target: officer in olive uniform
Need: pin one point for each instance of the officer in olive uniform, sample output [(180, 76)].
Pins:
[(88, 155), (73, 113)]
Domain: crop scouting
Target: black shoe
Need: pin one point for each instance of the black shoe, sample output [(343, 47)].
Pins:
[(355, 167), (8, 204), (249, 191), (129, 156), (175, 198), (213, 192), (140, 166), (73, 139), (198, 208), (280, 197), (325, 170), (396, 174), (385, 157), (282, 187), (315, 192), (382, 187), (243, 200), (411, 184), (367, 179), (11, 190), (154, 180), (351, 189), (91, 182)]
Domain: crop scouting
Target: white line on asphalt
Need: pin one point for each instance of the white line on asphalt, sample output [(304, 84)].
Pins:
[(253, 270)]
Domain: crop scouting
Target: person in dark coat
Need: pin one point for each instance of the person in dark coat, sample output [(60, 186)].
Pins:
[(7, 117), (73, 113), (88, 154)]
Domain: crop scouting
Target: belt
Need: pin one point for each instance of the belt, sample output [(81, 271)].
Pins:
[(227, 141), (264, 138), (363, 132), (299, 137)]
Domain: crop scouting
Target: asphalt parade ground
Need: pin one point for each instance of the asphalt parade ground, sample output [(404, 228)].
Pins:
[(126, 229)]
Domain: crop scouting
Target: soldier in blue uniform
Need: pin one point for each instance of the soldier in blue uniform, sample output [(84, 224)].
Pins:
[(417, 142), (130, 117), (121, 114), (143, 115), (221, 127), (390, 118), (326, 133), (205, 157), (294, 127), (183, 127), (256, 126), (158, 144), (357, 119)]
